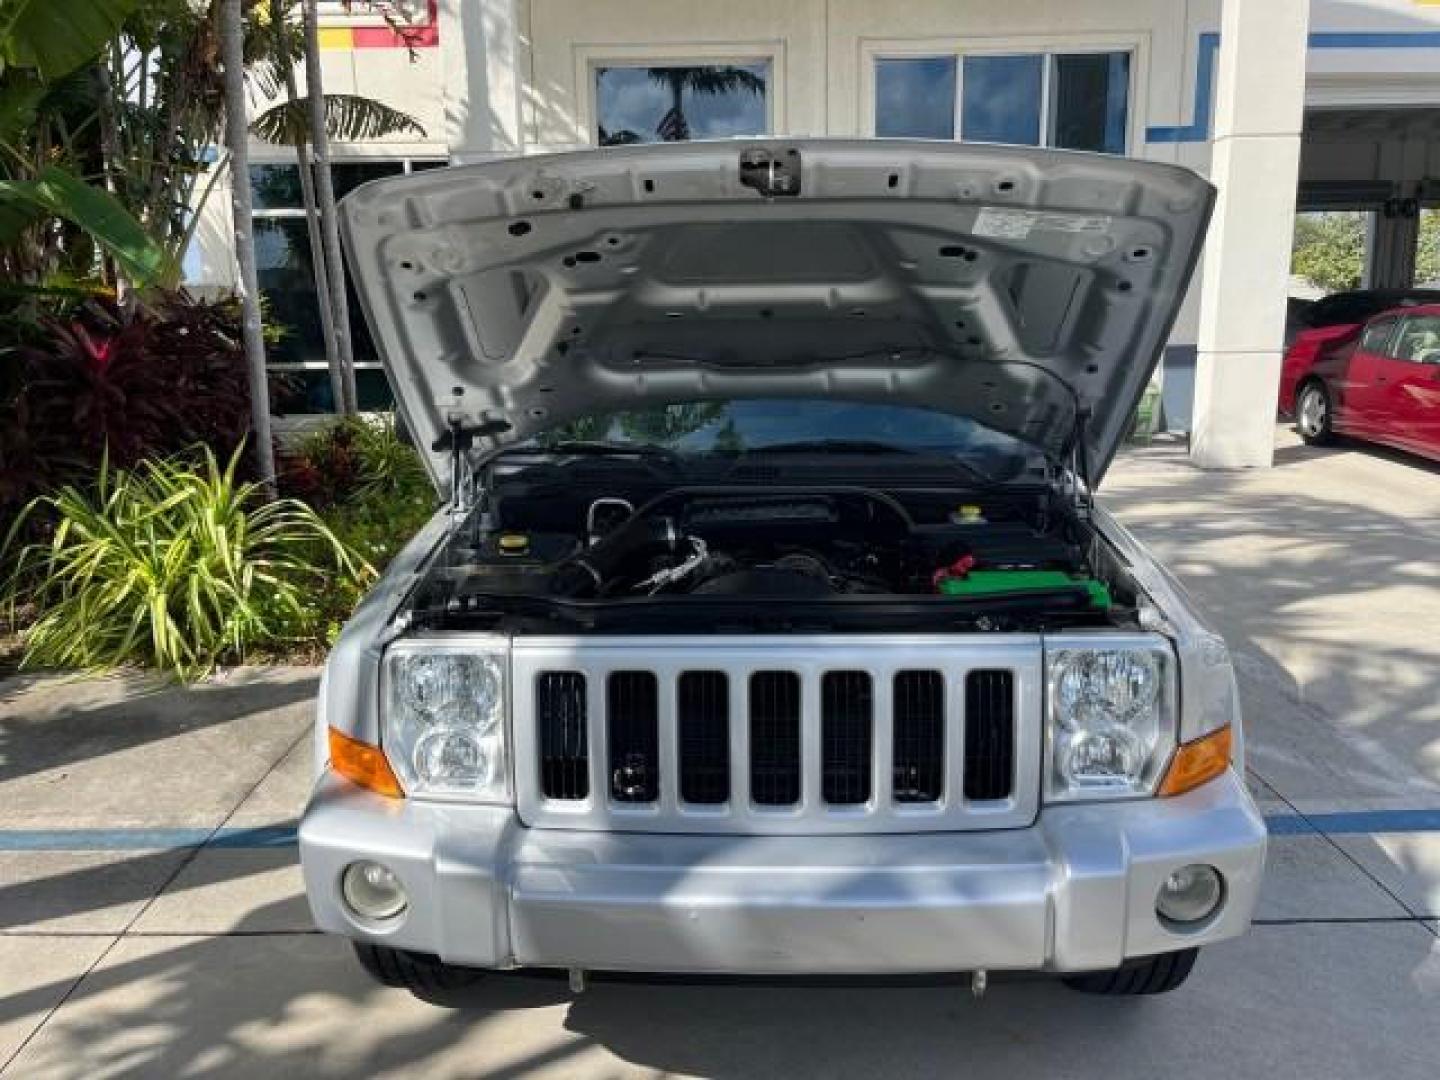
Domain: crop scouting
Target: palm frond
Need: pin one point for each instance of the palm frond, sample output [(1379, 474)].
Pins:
[(348, 118), (708, 79)]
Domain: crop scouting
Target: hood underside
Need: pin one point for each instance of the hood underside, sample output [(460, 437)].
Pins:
[(1014, 286)]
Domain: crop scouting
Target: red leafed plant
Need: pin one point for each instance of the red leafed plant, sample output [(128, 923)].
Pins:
[(144, 380)]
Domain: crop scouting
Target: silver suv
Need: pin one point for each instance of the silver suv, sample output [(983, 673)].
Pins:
[(769, 625)]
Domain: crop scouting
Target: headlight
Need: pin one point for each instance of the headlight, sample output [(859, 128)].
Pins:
[(444, 726), (1111, 719)]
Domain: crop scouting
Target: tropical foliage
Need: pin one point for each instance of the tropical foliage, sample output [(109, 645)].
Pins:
[(109, 114), (55, 221), (174, 565), (125, 381), (372, 490), (1329, 249)]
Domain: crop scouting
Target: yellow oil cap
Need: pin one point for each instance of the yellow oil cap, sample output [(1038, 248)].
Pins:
[(513, 544)]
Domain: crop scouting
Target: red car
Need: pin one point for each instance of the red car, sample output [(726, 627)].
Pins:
[(1379, 382)]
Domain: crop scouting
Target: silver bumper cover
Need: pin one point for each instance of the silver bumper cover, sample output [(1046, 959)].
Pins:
[(1075, 891)]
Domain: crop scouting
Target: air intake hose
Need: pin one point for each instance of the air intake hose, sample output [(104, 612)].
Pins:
[(639, 539)]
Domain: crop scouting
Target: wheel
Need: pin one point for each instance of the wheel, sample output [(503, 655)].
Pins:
[(1148, 975), (423, 975), (1313, 415)]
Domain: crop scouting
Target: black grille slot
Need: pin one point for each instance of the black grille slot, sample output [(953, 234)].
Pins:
[(703, 714), (989, 734), (846, 708), (919, 755), (564, 741), (632, 703), (775, 738)]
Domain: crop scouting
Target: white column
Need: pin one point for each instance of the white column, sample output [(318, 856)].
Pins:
[(1260, 105), (484, 53)]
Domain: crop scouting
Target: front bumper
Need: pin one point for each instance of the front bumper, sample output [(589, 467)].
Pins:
[(1074, 892)]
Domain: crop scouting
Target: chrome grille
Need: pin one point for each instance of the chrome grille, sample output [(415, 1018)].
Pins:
[(560, 718), (846, 706), (919, 755), (775, 738), (777, 735), (989, 734), (703, 715), (631, 704)]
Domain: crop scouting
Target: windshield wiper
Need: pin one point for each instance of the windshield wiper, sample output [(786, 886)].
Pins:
[(591, 448), (831, 446), (865, 447)]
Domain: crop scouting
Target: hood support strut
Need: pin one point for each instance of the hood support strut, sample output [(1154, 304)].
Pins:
[(1081, 487), (458, 438)]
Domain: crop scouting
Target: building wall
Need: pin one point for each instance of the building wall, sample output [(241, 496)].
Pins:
[(504, 76)]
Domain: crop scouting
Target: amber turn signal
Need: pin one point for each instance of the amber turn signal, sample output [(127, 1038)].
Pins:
[(363, 764), (1197, 762)]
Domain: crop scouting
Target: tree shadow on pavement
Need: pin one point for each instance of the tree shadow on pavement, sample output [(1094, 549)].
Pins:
[(55, 722)]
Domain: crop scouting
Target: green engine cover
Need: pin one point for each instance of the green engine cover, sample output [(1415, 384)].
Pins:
[(995, 582)]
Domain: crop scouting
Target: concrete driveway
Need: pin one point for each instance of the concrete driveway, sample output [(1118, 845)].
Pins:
[(152, 925)]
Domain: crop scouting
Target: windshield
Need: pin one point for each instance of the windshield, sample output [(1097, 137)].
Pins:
[(757, 426)]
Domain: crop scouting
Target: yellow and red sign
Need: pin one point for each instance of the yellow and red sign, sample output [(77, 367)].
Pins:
[(421, 35)]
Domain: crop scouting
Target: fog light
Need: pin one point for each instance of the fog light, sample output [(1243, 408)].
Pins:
[(1190, 894), (372, 891)]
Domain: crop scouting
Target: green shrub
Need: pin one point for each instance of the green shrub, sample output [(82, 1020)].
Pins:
[(175, 565), (389, 466), (356, 459), (373, 492), (126, 383)]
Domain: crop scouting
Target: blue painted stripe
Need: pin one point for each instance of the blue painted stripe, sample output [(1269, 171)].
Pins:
[(1353, 822), (143, 839), (1198, 130), (1375, 39), (1338, 822)]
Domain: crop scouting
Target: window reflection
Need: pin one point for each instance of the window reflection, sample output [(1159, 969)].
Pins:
[(1002, 99), (915, 97), (1089, 99), (675, 103)]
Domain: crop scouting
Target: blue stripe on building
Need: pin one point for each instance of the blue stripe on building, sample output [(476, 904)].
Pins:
[(1199, 128)]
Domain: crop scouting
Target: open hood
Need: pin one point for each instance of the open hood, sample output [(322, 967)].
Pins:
[(1030, 290)]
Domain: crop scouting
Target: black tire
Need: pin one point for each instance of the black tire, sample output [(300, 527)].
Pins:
[(1148, 975), (423, 975), (1314, 420)]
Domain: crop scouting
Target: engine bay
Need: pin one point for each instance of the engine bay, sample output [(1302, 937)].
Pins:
[(774, 557)]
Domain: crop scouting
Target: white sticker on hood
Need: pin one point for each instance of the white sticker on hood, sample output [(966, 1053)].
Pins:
[(1001, 223)]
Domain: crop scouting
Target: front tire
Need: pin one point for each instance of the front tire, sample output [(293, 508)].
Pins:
[(1147, 975), (1314, 415), (423, 975)]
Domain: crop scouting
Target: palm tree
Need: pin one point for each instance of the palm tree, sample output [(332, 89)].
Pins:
[(307, 123), (237, 135), (329, 224), (298, 134), (673, 126)]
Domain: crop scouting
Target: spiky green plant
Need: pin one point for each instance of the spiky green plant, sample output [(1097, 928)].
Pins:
[(389, 466), (174, 565)]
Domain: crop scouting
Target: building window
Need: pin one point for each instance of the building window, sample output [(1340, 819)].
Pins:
[(675, 102), (915, 98), (1075, 101), (287, 282)]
